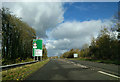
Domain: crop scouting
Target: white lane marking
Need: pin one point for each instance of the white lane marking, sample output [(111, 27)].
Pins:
[(108, 74), (82, 66)]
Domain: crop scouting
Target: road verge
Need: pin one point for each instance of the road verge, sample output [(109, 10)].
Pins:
[(20, 73)]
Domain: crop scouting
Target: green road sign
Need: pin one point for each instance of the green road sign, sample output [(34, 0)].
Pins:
[(37, 47)]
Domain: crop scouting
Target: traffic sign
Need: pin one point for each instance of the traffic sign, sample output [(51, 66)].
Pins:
[(75, 55), (34, 44), (37, 47), (38, 52)]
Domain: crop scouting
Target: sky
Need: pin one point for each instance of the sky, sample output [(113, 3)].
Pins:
[(65, 25)]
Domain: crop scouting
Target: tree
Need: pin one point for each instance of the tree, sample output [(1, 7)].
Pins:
[(17, 37), (104, 46), (44, 52)]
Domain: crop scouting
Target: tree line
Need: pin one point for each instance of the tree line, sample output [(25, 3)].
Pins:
[(17, 37), (105, 47)]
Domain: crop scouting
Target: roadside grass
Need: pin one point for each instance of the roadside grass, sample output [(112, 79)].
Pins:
[(99, 61), (20, 73)]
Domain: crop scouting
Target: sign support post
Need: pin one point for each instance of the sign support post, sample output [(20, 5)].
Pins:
[(37, 58), (34, 57), (40, 58)]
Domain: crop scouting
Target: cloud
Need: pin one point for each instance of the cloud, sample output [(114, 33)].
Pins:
[(55, 52), (41, 16), (76, 29), (74, 34), (56, 44), (47, 19)]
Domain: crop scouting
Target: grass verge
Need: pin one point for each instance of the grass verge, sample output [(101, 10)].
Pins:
[(20, 73), (99, 61)]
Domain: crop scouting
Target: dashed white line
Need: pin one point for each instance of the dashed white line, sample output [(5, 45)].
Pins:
[(109, 74), (82, 66)]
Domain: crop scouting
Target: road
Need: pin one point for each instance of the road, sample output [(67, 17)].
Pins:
[(61, 69)]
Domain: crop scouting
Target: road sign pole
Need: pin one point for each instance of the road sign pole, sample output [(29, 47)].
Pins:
[(40, 58), (37, 58), (34, 57)]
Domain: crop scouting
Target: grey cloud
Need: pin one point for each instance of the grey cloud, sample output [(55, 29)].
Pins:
[(75, 29), (40, 16), (58, 44), (55, 52), (75, 34)]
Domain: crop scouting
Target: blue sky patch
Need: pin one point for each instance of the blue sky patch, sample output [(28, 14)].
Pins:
[(83, 11)]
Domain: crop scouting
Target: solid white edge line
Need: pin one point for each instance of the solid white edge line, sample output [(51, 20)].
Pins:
[(108, 74)]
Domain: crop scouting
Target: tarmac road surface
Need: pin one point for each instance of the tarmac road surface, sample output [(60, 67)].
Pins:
[(61, 69)]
